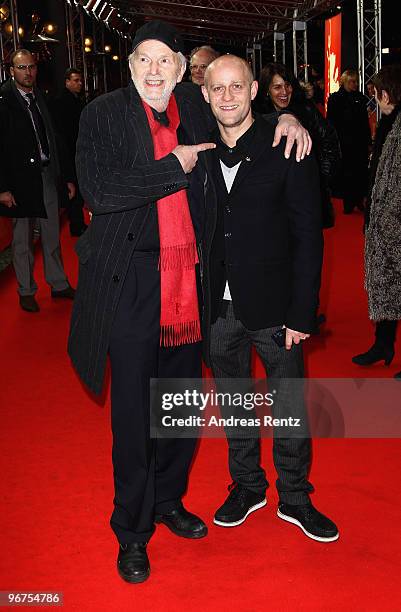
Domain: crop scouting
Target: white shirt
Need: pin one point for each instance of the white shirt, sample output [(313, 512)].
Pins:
[(229, 175)]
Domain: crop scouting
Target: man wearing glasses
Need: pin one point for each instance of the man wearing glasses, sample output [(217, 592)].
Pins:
[(199, 60), (31, 174)]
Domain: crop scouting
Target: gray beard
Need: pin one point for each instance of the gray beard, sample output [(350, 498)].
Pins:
[(162, 99)]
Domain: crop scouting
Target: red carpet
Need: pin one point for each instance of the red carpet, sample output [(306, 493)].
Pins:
[(57, 480)]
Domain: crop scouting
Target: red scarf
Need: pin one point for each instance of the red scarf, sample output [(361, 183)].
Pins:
[(179, 315)]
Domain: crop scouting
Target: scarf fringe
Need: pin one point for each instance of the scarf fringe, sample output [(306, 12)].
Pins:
[(178, 257), (180, 333)]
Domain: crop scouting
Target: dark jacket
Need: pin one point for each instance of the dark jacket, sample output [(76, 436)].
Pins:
[(20, 167), (265, 238), (348, 113), (66, 111), (121, 181), (326, 147)]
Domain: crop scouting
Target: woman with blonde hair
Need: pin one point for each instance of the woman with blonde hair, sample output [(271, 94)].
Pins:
[(347, 111)]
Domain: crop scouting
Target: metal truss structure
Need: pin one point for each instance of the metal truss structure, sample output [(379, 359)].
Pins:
[(226, 22), (9, 41), (369, 39), (93, 64)]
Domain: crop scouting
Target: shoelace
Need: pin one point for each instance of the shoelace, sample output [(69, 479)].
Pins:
[(236, 491)]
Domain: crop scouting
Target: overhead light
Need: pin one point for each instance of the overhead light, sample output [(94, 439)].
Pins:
[(385, 50), (88, 49), (4, 12), (107, 48), (115, 58), (88, 41), (50, 28)]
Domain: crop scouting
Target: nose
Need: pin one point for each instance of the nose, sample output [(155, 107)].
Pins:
[(227, 94), (154, 68)]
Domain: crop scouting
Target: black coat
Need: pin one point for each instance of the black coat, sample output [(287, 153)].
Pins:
[(66, 111), (20, 167), (272, 255), (120, 180), (348, 113), (326, 146)]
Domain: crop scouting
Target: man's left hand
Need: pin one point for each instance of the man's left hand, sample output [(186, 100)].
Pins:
[(292, 336), (289, 126), (71, 190)]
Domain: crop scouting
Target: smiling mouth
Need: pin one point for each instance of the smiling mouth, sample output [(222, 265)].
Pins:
[(154, 82), (230, 107)]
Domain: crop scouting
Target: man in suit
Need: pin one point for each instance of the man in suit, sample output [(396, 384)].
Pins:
[(32, 179), (66, 111), (262, 263), (137, 299)]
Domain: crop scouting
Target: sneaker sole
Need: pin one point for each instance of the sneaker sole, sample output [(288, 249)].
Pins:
[(235, 523), (294, 521)]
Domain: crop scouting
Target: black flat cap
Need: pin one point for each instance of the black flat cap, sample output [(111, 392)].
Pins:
[(162, 31)]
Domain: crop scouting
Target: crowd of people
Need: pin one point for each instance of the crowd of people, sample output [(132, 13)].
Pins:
[(205, 240)]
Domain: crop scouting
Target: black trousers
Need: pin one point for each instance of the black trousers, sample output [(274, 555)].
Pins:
[(75, 211), (149, 475), (231, 345)]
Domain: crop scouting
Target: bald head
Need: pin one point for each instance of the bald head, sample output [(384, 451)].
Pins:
[(229, 61), (229, 89)]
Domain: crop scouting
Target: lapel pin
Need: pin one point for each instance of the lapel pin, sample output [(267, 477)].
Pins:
[(247, 158)]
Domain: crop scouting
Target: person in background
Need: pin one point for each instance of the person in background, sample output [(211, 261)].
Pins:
[(66, 111), (35, 174), (383, 221), (347, 111), (199, 60), (279, 90)]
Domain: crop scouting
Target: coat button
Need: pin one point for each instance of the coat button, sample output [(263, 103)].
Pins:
[(130, 237), (228, 209), (116, 278)]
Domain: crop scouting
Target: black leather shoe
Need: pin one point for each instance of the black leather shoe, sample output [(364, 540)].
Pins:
[(374, 354), (68, 293), (312, 522), (240, 503), (133, 563), (183, 523), (28, 303)]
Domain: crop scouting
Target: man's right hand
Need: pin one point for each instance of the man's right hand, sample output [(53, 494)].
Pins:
[(188, 154), (7, 198)]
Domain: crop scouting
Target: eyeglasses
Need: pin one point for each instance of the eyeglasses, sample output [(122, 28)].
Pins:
[(25, 66), (201, 67)]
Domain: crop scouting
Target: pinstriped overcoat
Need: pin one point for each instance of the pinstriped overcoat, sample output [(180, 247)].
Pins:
[(120, 180)]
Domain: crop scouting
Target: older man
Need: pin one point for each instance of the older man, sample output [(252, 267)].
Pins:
[(199, 60), (138, 168), (262, 262)]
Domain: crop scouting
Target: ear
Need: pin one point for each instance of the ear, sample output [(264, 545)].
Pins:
[(181, 72), (205, 94), (12, 71), (254, 89), (385, 97)]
